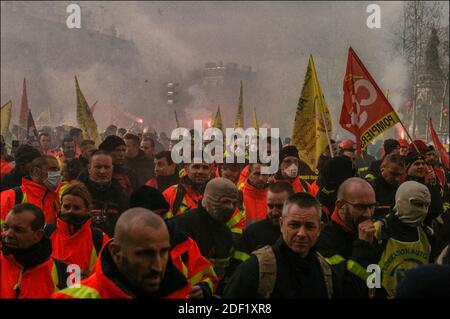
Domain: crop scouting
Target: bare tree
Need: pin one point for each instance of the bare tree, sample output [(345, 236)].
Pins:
[(419, 17)]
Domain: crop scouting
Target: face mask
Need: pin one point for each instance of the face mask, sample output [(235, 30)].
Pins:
[(291, 171), (73, 219), (414, 216), (53, 179)]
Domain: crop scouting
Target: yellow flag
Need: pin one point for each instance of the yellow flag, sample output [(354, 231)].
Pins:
[(312, 124), (85, 119), (217, 123), (255, 120), (5, 115), (239, 122), (176, 119)]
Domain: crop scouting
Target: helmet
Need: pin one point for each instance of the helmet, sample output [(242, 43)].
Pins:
[(403, 142), (347, 144)]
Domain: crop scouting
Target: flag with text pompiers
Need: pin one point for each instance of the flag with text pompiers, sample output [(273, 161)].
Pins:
[(366, 112), (312, 121), (239, 122), (85, 119)]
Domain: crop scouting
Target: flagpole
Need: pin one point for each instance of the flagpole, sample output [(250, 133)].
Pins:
[(326, 128)]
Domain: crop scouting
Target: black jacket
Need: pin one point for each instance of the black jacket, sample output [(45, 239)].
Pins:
[(108, 203), (296, 277), (258, 235), (11, 180), (394, 228), (327, 199), (374, 169), (339, 246), (385, 196), (142, 165)]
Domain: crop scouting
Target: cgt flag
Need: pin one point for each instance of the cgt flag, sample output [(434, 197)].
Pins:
[(365, 110)]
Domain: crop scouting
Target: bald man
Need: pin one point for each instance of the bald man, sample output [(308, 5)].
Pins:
[(347, 242), (135, 263)]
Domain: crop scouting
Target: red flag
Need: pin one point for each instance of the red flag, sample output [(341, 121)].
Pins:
[(23, 117), (437, 143), (31, 128), (366, 112)]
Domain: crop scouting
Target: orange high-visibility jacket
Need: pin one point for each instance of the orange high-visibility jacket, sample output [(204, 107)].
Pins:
[(100, 285), (80, 248), (33, 193), (5, 167), (198, 270), (40, 281), (255, 203), (183, 197)]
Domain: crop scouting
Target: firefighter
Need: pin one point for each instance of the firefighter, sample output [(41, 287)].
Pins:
[(27, 269), (74, 239), (134, 264)]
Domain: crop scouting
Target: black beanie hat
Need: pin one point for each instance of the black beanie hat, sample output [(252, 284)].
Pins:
[(148, 197), (110, 143), (336, 171), (389, 145), (26, 153), (411, 158), (286, 151)]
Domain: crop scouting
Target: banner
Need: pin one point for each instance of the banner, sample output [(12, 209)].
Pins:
[(312, 120), (85, 120), (366, 112), (437, 143), (217, 122), (32, 132), (239, 122), (5, 116)]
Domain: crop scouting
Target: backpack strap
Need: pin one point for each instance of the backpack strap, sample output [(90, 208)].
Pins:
[(19, 195), (267, 270), (97, 239), (327, 274), (49, 229), (178, 199)]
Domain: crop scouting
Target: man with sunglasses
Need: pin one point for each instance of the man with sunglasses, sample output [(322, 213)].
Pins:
[(347, 242)]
